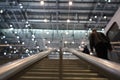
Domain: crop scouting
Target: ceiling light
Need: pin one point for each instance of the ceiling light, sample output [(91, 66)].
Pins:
[(5, 53), (95, 16), (47, 32), (5, 41), (33, 39), (66, 33), (21, 6), (26, 26), (18, 41), (90, 19), (42, 2), (26, 22), (4, 36), (33, 36), (45, 20), (109, 0), (14, 51), (15, 32), (68, 20), (18, 37), (11, 25), (37, 47), (1, 11), (49, 42), (26, 50), (73, 42), (10, 46), (23, 42), (105, 17), (70, 3), (65, 42), (103, 29)]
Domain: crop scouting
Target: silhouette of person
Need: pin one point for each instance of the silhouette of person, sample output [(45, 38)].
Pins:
[(86, 50), (100, 43)]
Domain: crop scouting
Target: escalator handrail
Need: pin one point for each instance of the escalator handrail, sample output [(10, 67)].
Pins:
[(11, 68), (106, 67)]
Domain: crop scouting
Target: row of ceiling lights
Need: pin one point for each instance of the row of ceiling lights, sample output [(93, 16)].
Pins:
[(46, 20)]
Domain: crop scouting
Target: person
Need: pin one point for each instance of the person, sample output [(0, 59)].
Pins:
[(86, 50), (100, 43)]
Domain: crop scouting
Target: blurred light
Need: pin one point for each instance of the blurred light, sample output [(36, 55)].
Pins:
[(18, 37), (1, 11), (31, 52), (86, 33), (14, 51), (18, 41), (5, 53), (66, 33), (33, 39), (26, 50), (26, 25), (33, 36), (109, 0), (21, 6), (11, 28), (38, 47), (47, 32), (49, 42), (42, 2), (5, 41), (11, 25), (105, 17), (70, 3), (68, 20), (26, 22), (10, 46), (23, 42), (15, 32), (4, 36), (90, 19), (46, 47), (65, 42), (73, 42), (58, 49), (82, 42), (45, 20), (95, 16), (14, 47)]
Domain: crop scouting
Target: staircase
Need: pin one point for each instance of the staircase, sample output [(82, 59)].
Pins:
[(55, 69)]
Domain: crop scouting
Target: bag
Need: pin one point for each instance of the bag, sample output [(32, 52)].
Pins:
[(104, 39)]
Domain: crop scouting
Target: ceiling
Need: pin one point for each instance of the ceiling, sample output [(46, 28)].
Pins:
[(31, 18)]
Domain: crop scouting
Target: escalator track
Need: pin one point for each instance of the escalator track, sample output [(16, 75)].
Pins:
[(58, 69)]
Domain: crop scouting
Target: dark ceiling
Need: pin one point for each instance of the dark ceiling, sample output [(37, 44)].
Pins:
[(83, 14)]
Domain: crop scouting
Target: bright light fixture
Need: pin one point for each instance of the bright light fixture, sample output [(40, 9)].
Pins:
[(42, 2), (68, 20), (70, 3)]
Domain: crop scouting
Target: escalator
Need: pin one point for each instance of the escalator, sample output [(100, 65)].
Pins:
[(59, 69)]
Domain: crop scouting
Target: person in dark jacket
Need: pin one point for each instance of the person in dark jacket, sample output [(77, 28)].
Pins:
[(100, 43)]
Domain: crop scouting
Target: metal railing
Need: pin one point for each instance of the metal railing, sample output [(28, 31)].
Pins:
[(116, 47), (11, 68), (105, 67)]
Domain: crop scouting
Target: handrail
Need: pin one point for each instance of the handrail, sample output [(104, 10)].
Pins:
[(115, 42), (10, 69), (106, 67)]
